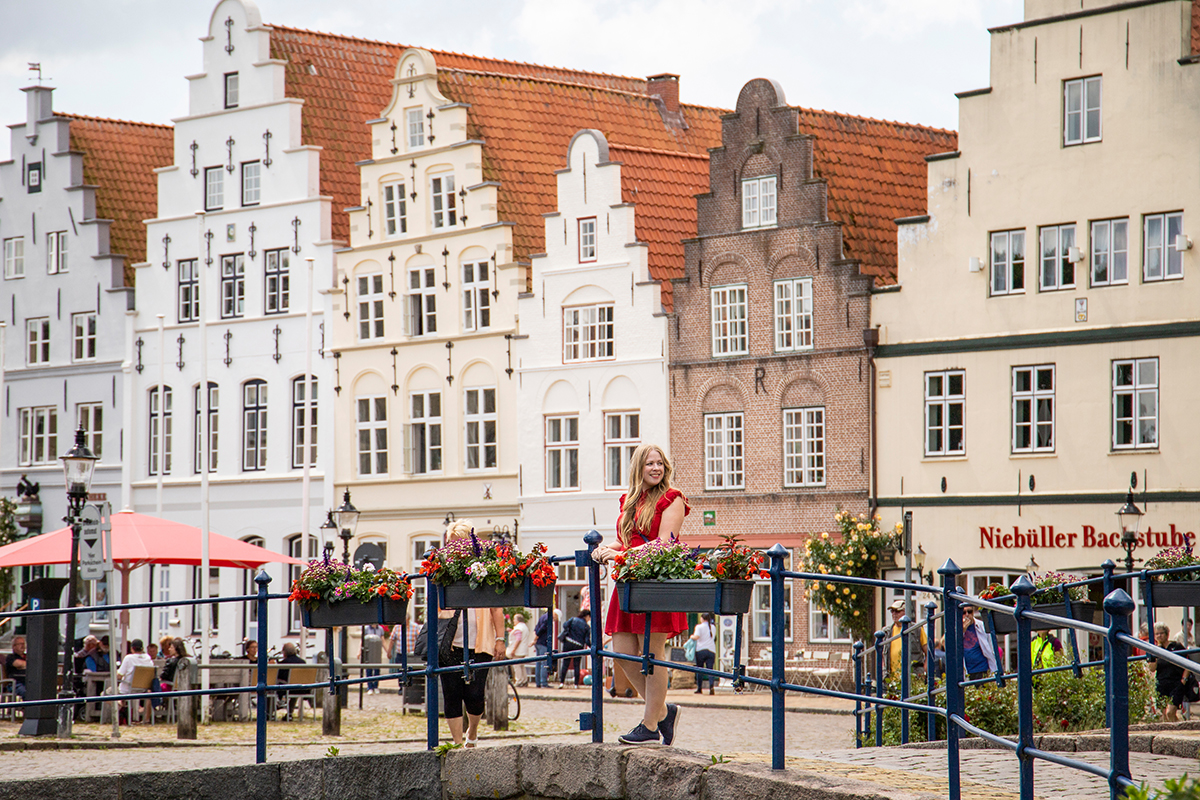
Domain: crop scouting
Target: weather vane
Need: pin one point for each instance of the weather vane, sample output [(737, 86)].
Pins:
[(36, 66)]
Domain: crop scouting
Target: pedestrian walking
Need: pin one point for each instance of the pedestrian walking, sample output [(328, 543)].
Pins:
[(575, 636), (1174, 684), (705, 637), (518, 647)]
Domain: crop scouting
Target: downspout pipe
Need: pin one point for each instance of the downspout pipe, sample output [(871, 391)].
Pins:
[(871, 342)]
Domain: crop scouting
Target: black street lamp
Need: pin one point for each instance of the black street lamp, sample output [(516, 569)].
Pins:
[(346, 516), (78, 466), (1130, 519), (328, 529)]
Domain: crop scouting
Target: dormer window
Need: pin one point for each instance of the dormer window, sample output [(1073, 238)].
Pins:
[(416, 127), (231, 90), (758, 202)]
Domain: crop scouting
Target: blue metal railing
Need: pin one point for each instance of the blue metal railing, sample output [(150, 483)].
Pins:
[(868, 695)]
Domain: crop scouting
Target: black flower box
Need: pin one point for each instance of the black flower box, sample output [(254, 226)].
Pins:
[(1080, 610), (378, 611), (460, 595), (687, 595), (1175, 593)]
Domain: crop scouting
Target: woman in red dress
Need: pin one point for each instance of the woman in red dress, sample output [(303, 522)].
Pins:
[(651, 508)]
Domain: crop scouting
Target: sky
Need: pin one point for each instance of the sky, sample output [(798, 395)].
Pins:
[(890, 59)]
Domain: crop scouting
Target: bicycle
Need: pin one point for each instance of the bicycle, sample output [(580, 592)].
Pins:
[(514, 699)]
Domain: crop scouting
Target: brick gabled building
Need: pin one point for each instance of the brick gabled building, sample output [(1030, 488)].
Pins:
[(769, 376)]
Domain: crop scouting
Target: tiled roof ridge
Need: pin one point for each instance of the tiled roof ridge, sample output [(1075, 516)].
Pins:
[(86, 118), (550, 80), (455, 54), (876, 120), (655, 151)]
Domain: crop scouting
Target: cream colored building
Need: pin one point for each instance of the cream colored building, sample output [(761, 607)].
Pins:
[(1042, 343)]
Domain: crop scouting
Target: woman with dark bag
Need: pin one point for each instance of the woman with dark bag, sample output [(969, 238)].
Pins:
[(705, 637), (575, 636), (652, 508), (487, 635)]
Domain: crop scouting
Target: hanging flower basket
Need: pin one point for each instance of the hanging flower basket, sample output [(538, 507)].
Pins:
[(1174, 593), (1080, 610), (459, 594), (686, 595), (378, 611)]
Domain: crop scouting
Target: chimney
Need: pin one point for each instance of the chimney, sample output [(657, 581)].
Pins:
[(666, 88), (38, 106)]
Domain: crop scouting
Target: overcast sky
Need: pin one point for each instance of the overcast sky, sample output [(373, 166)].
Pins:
[(891, 59)]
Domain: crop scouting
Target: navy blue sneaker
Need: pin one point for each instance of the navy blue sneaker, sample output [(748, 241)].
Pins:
[(667, 726), (639, 735)]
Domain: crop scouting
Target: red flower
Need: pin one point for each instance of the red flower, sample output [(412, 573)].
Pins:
[(764, 574)]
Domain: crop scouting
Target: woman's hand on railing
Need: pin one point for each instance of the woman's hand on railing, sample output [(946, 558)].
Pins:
[(604, 554)]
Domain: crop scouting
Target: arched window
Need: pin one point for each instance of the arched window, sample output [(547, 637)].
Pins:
[(213, 427), (297, 549), (304, 421), (254, 425)]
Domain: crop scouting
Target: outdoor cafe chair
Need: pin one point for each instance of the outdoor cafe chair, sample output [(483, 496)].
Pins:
[(143, 679)]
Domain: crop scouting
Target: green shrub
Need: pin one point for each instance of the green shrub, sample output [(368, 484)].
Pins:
[(1178, 789)]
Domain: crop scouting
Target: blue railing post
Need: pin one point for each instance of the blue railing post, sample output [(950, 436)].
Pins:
[(1108, 567), (954, 667), (879, 656), (1118, 605), (431, 664), (777, 553), (930, 671), (260, 733), (905, 666), (1023, 587), (593, 539), (858, 691)]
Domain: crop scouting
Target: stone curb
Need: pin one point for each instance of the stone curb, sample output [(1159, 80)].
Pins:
[(1161, 744), (690, 704)]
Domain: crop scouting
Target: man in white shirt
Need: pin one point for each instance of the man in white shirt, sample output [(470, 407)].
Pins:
[(136, 658)]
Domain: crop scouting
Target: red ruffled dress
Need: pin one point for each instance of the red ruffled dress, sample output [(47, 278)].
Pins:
[(671, 623)]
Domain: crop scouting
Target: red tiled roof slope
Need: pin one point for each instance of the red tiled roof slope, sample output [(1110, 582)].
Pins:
[(875, 172), (119, 158), (1195, 27), (662, 185)]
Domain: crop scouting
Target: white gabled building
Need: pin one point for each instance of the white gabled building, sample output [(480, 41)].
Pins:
[(243, 237)]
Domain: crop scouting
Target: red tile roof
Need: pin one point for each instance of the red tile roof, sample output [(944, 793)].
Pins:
[(119, 158), (1195, 27), (662, 185)]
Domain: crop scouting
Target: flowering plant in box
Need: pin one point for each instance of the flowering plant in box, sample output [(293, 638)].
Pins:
[(480, 563), (734, 561), (332, 581), (1172, 558), (658, 560), (1050, 591)]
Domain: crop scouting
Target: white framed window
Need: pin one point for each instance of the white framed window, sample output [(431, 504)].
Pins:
[(823, 626), (214, 188), (729, 333), (199, 407), (395, 209), (278, 281), (37, 341), (304, 422), (304, 552), (420, 603), (445, 203), (414, 118), (479, 416), (370, 306), (251, 183), (588, 333), (477, 300), (56, 252), (164, 595), (724, 466), (1110, 252), (39, 436), (1008, 262), (622, 435), (761, 608), (1081, 110), (1162, 261), (758, 202), (254, 425), (420, 317), (188, 290), (90, 417), (1033, 409), (1058, 271), (233, 286), (562, 453), (804, 446), (371, 427), (424, 445), (14, 257), (945, 404), (161, 429), (793, 315), (587, 239), (1135, 403), (83, 336), (231, 89)]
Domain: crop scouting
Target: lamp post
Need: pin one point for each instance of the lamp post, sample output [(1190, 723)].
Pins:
[(1130, 518), (909, 610), (78, 466), (328, 529), (1033, 566), (347, 520)]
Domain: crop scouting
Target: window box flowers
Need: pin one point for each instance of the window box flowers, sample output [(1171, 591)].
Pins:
[(667, 575), (1047, 600), (471, 573), (1177, 588), (333, 594)]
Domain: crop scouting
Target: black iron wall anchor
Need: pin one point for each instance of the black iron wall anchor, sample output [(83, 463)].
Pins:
[(139, 344), (446, 268), (337, 373), (430, 117), (395, 385), (392, 273), (449, 363), (394, 148), (166, 251), (509, 369), (229, 143), (346, 293), (321, 349), (179, 363), (229, 35), (228, 336), (495, 289), (370, 228), (413, 183), (296, 235), (267, 146), (462, 205), (194, 147), (252, 253), (208, 237), (276, 355)]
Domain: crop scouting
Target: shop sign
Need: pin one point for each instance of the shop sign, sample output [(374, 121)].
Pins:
[(1047, 538)]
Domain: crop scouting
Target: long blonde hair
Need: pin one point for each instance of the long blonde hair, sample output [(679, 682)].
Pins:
[(641, 500), (459, 529)]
